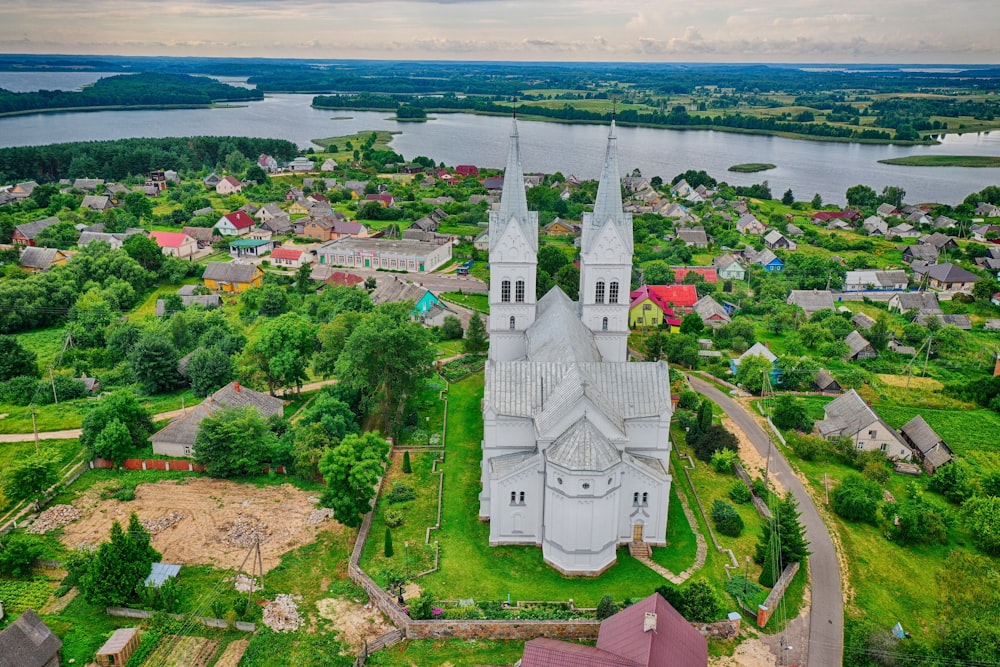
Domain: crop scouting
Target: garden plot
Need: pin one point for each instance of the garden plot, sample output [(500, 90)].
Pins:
[(218, 521)]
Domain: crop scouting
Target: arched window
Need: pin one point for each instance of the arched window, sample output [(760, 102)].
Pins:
[(645, 497), (604, 324), (505, 291), (613, 292), (635, 498), (599, 292), (519, 291), (512, 322)]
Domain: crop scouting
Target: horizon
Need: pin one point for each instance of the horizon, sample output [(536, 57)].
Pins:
[(643, 31)]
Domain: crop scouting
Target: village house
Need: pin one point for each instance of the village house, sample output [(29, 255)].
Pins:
[(824, 382), (386, 199), (37, 260), (942, 242), (932, 451), (252, 246), (825, 217), (466, 170), (114, 240), (99, 203), (119, 647), (203, 235), (289, 258), (175, 244), (708, 273), (775, 240), (749, 224), (863, 321), (711, 312), (924, 303), (988, 210), (758, 350), (482, 241), (945, 277), (811, 301), (875, 226), (375, 253), (427, 309), (267, 163), (903, 230), (887, 210), (28, 642), (649, 633), (767, 259), (301, 164), (921, 252), (858, 348), (23, 190), (232, 276), (178, 437), (849, 416), (869, 280), (729, 267), (237, 223), (24, 234), (189, 298), (693, 237), (228, 185), (329, 164), (270, 211), (560, 227), (648, 308)]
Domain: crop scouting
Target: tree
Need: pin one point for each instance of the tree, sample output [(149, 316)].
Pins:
[(119, 565), (790, 413), (918, 520), (551, 259), (387, 550), (817, 201), (857, 499), (753, 372), (138, 204), (475, 336), (451, 328), (879, 335), (783, 534), (982, 513), (121, 405), (113, 442), (712, 440), (303, 279), (207, 370), (953, 481), (331, 338), (18, 552), (332, 412), (233, 442), (282, 350), (606, 608), (984, 289), (15, 359), (351, 470), (704, 421), (568, 279), (861, 196), (692, 323), (697, 602), (894, 195), (726, 519), (654, 345), (30, 477), (788, 198), (154, 361), (407, 467)]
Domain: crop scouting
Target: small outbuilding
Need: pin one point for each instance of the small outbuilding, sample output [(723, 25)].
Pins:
[(28, 642), (119, 647)]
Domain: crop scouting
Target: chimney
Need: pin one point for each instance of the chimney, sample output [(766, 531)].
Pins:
[(649, 622), (236, 387)]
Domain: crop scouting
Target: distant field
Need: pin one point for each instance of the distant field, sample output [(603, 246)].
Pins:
[(980, 161)]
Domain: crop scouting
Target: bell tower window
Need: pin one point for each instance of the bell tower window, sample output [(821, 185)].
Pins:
[(505, 291), (599, 292), (519, 291), (613, 292), (604, 324), (512, 327)]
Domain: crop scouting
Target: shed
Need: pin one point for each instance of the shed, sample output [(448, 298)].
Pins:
[(823, 381), (28, 642), (119, 647), (926, 444), (160, 572)]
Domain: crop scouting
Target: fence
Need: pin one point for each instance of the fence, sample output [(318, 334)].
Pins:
[(165, 465), (762, 509), (128, 612), (774, 598)]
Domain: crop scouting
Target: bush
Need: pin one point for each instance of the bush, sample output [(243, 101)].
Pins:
[(697, 602), (400, 493), (688, 400), (407, 467), (606, 608), (18, 390), (17, 553), (393, 518), (388, 551), (790, 413), (726, 519), (714, 439), (739, 493), (724, 460), (857, 499)]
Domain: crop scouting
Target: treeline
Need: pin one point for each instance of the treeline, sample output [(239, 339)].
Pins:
[(144, 89), (114, 160), (677, 117)]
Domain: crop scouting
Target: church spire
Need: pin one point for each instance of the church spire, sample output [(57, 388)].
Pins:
[(513, 200), (608, 205)]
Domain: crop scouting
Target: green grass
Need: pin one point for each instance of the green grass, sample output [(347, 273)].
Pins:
[(751, 167), (477, 302), (682, 548), (988, 161), (83, 628), (973, 435), (46, 343), (449, 653), (447, 348), (470, 568)]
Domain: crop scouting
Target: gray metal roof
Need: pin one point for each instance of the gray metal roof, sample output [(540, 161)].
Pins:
[(847, 414), (184, 428), (27, 642), (811, 301), (119, 639), (824, 381), (230, 272), (582, 447), (34, 257), (707, 307), (160, 572), (558, 334), (920, 435), (31, 229), (758, 350), (925, 302), (856, 343)]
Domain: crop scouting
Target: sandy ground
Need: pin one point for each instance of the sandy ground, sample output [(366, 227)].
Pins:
[(208, 508), (753, 462), (233, 653), (751, 653), (353, 621)]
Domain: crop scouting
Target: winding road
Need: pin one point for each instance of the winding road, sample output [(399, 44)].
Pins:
[(826, 617)]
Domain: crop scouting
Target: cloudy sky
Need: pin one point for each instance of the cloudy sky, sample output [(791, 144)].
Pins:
[(898, 31)]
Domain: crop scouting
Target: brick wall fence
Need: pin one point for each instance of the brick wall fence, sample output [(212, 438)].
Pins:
[(780, 586)]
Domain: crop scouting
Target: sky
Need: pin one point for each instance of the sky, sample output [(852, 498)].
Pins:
[(800, 31)]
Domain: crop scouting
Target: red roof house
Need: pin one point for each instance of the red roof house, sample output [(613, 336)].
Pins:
[(648, 633), (678, 296), (236, 223), (467, 170), (344, 278), (707, 272), (385, 199), (287, 257), (176, 244)]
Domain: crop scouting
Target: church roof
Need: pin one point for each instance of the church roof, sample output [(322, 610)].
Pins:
[(508, 463), (582, 447), (608, 204), (513, 198), (557, 334)]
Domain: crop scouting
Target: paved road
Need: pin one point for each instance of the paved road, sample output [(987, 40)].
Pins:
[(826, 624)]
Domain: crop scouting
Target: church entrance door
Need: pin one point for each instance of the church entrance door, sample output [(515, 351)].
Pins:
[(637, 532)]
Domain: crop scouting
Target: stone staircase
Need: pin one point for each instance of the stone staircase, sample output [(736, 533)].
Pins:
[(639, 550)]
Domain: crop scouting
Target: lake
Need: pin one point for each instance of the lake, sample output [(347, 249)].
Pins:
[(807, 167)]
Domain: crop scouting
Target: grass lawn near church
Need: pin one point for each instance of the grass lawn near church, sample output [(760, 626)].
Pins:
[(470, 568)]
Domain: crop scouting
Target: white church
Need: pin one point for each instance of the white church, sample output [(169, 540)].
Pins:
[(576, 440)]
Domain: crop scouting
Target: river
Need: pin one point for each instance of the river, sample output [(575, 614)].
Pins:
[(807, 167)]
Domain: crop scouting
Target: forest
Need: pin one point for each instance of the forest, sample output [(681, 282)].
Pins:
[(116, 159), (128, 90)]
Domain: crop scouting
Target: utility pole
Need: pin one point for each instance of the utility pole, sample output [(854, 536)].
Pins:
[(34, 426), (826, 485), (52, 378)]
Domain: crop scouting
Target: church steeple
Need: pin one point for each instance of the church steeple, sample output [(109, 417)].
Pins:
[(608, 207), (513, 198)]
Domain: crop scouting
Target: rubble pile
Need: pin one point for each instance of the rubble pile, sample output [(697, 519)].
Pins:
[(245, 583), (155, 526), (246, 531), (320, 515), (56, 516), (282, 615)]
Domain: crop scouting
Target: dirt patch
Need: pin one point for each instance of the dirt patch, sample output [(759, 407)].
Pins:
[(57, 604), (751, 653), (354, 622), (233, 653), (209, 510), (752, 460)]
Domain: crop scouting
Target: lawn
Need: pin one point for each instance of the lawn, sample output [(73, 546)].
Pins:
[(477, 302), (449, 653), (682, 548)]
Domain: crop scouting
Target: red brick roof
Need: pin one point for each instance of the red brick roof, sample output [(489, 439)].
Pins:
[(239, 219), (708, 273), (467, 170), (683, 296), (286, 253), (344, 278), (673, 642), (545, 652), (169, 239)]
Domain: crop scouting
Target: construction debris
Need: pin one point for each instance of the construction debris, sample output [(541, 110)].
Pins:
[(246, 531), (56, 516), (282, 615), (155, 526), (320, 515), (245, 583)]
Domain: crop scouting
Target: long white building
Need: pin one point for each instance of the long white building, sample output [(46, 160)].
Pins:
[(576, 441)]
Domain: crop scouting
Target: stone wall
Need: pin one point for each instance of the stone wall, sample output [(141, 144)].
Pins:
[(780, 586)]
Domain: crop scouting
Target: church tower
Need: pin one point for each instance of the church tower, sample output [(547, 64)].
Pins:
[(513, 235), (606, 262)]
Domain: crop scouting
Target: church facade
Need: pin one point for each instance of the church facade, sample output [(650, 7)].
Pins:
[(576, 440)]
